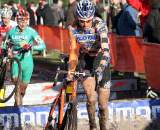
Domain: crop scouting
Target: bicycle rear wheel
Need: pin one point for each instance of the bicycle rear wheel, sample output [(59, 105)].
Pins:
[(70, 117), (8, 84)]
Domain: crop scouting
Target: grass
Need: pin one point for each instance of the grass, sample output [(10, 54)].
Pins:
[(51, 57)]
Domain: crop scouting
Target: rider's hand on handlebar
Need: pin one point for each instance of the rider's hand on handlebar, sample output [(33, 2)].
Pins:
[(26, 47), (70, 77)]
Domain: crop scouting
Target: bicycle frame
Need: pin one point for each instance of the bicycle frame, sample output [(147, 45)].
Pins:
[(60, 101)]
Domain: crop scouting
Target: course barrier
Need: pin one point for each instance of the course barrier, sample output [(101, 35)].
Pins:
[(132, 111), (133, 54)]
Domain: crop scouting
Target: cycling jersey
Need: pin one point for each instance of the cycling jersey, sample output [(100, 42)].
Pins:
[(4, 29), (91, 41), (18, 39)]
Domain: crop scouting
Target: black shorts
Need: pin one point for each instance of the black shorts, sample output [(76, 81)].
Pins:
[(91, 63)]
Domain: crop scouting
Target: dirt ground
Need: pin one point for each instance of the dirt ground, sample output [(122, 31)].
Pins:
[(139, 124)]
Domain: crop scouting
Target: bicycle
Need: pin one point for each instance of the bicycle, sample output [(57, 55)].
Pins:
[(8, 84), (67, 120)]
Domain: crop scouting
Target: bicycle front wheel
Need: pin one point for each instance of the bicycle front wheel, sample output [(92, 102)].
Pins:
[(70, 117), (9, 83)]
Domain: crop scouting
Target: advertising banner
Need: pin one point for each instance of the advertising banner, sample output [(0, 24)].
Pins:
[(118, 111)]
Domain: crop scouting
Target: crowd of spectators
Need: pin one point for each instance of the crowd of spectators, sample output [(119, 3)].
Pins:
[(137, 18), (42, 13)]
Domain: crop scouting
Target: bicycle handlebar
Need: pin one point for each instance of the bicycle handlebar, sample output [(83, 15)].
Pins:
[(65, 81), (76, 73)]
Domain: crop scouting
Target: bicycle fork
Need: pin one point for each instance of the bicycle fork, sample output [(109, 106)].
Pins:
[(61, 109), (60, 101)]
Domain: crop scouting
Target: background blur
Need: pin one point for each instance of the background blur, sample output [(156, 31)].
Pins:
[(25, 1)]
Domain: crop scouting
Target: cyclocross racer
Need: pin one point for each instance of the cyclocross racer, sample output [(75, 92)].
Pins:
[(89, 50), (6, 23), (22, 38)]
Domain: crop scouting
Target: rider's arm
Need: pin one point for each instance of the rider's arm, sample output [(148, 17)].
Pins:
[(73, 55), (103, 33), (3, 44), (40, 46)]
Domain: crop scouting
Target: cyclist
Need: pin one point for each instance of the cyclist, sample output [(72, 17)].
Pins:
[(6, 23), (89, 50), (22, 37)]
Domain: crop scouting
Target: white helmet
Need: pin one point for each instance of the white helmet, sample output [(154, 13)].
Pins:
[(6, 12), (85, 9)]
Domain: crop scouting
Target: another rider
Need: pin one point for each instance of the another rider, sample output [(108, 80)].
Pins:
[(6, 23), (22, 37), (89, 50)]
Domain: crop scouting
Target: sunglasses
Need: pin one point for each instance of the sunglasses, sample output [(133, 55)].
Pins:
[(22, 19), (88, 21)]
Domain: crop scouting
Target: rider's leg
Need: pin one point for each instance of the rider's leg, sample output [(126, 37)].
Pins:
[(19, 94), (27, 69), (89, 88), (103, 97), (18, 98), (23, 88)]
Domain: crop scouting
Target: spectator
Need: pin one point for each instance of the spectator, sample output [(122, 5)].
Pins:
[(143, 7), (100, 8), (14, 9), (128, 23), (57, 12), (70, 15), (44, 12), (152, 27), (32, 20), (39, 14), (113, 15)]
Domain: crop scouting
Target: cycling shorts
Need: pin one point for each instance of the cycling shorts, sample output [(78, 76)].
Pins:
[(91, 63), (27, 69)]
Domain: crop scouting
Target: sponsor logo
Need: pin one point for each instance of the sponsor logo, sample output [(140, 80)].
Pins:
[(38, 115), (129, 113), (83, 38), (156, 111), (14, 119), (19, 37)]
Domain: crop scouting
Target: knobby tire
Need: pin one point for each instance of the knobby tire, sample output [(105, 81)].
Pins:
[(70, 117), (3, 74)]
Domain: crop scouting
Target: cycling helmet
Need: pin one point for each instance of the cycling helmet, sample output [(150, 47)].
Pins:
[(85, 10), (6, 12), (22, 15)]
